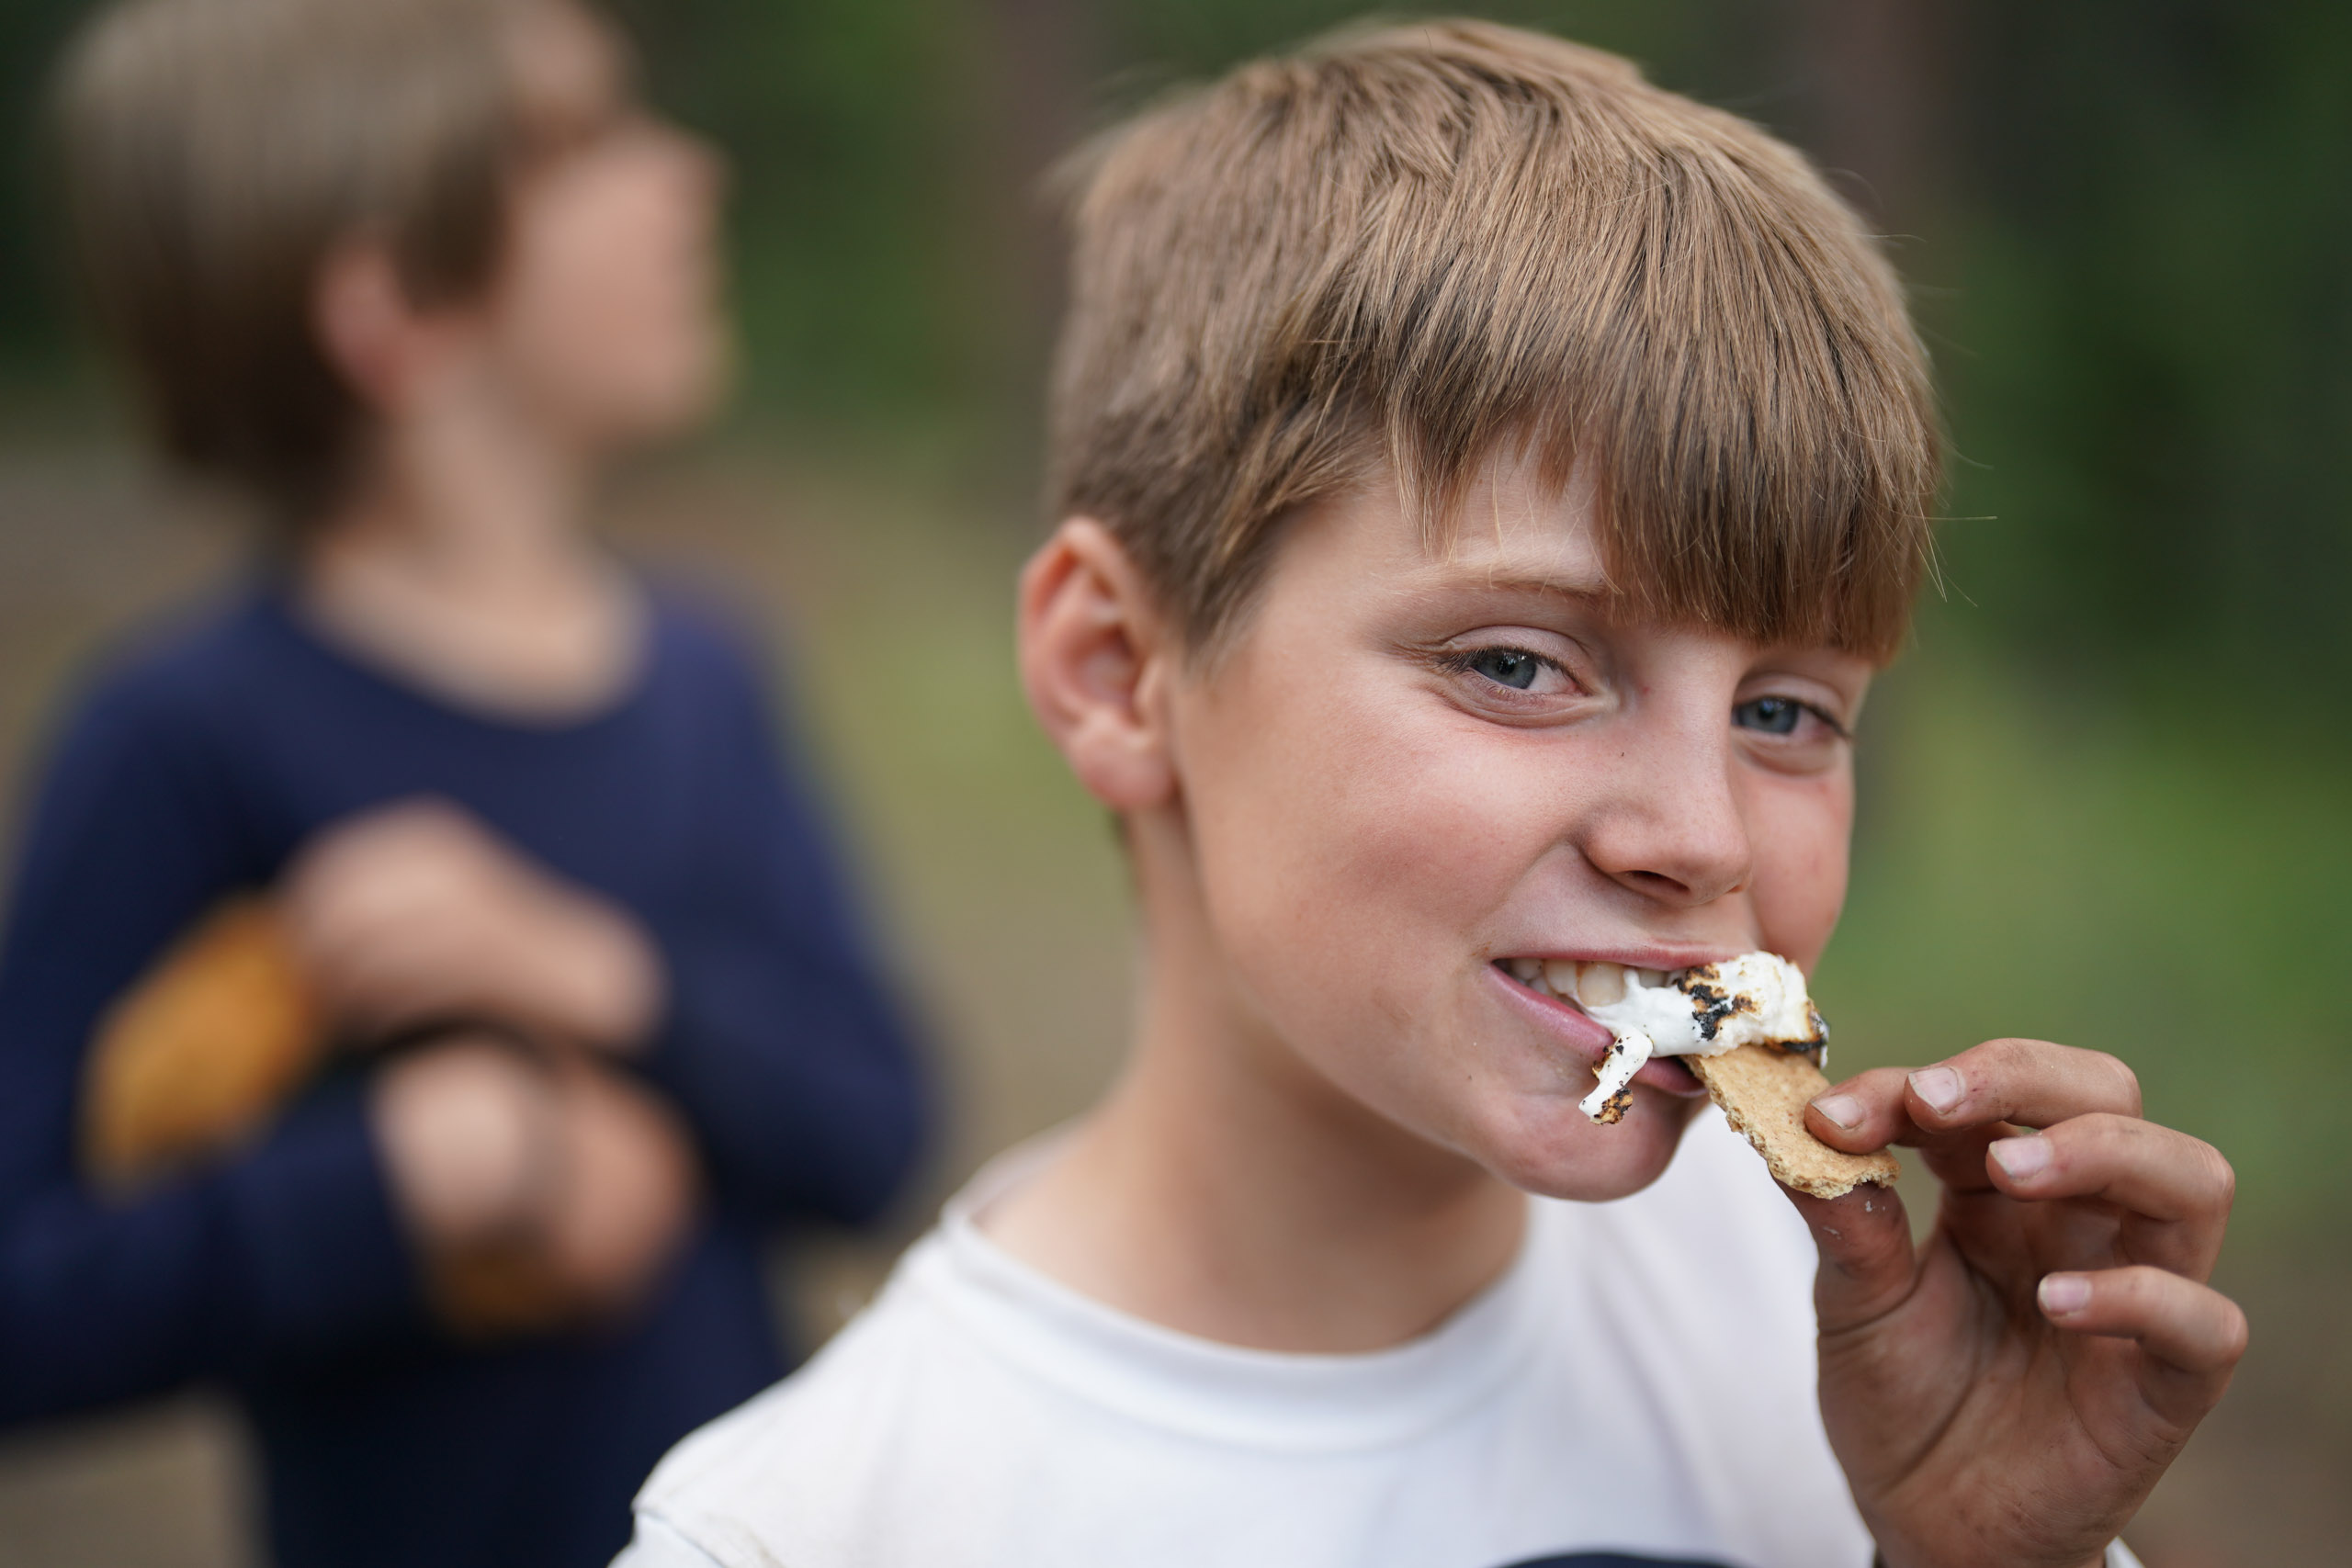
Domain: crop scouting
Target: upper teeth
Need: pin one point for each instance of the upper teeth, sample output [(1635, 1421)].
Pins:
[(1601, 984), (1592, 985)]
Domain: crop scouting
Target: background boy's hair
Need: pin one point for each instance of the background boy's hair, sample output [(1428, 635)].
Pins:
[(1423, 244), (215, 152)]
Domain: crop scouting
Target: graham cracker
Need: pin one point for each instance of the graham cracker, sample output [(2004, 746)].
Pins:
[(1764, 1091)]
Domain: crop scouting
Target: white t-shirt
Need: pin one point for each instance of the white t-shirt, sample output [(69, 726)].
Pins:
[(1638, 1388)]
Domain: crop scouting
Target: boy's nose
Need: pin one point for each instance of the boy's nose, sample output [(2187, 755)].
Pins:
[(1671, 829)]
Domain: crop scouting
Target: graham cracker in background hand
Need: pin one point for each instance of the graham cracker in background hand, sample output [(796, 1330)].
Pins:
[(201, 1052), (1764, 1091)]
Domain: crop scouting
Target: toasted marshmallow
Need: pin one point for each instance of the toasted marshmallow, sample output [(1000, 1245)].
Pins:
[(1757, 999)]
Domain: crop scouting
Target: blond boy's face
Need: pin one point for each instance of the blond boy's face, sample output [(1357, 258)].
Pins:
[(1415, 763)]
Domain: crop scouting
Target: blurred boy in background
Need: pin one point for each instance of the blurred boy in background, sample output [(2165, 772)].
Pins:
[(411, 273)]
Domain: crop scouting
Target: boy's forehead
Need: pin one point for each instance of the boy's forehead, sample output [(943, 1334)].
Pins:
[(570, 68), (1512, 530), (1512, 537), (1508, 531)]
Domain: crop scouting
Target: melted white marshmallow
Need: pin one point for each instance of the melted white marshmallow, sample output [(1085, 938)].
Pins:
[(1757, 999)]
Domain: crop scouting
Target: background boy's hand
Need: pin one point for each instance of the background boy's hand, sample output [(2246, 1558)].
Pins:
[(537, 1193), (2010, 1391), (416, 912)]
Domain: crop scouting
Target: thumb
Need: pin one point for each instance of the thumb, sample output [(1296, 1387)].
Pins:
[(1867, 1262)]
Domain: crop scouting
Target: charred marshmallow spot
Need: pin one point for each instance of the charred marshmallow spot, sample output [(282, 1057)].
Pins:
[(1757, 999)]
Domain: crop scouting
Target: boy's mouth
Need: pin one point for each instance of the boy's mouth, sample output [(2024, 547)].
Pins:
[(1573, 983)]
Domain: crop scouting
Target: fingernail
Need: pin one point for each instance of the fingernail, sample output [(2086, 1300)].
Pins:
[(2022, 1158), (1842, 1108), (1939, 1087), (2064, 1295)]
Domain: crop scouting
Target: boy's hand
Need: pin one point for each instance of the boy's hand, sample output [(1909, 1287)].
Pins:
[(537, 1193), (416, 913), (2010, 1391)]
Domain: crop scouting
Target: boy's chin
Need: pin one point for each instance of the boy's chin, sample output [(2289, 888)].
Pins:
[(1555, 1151)]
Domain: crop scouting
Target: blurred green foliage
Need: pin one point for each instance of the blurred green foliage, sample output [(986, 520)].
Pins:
[(33, 330), (2154, 336), (869, 288)]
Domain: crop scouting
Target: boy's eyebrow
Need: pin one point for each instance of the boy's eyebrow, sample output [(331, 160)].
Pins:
[(1503, 578)]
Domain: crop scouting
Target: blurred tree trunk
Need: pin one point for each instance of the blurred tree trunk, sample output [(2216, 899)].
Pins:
[(1878, 78), (1045, 56), (1876, 110)]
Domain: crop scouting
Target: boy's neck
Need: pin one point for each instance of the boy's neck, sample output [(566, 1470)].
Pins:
[(462, 561), (1226, 1190)]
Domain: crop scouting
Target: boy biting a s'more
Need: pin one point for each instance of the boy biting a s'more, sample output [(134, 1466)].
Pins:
[(1487, 485)]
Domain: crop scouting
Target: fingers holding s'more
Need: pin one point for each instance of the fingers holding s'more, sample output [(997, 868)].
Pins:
[(2030, 1083), (2037, 1121), (1873, 1110), (2172, 1192), (1864, 1111), (2192, 1335)]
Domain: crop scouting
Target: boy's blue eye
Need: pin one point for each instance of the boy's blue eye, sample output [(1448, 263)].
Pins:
[(1773, 715), (1511, 667)]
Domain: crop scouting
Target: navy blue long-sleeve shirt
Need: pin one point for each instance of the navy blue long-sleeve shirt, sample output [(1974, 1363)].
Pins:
[(196, 767)]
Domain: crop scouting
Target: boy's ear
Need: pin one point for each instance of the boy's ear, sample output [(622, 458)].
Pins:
[(369, 331), (1095, 661)]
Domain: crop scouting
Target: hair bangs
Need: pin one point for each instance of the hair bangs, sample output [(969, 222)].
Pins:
[(1426, 245)]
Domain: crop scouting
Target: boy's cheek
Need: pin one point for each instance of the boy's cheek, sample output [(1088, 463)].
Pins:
[(1801, 858), (1349, 899), (1341, 904), (1345, 881)]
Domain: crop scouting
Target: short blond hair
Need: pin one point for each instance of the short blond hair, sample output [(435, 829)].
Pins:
[(216, 149), (1405, 250)]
